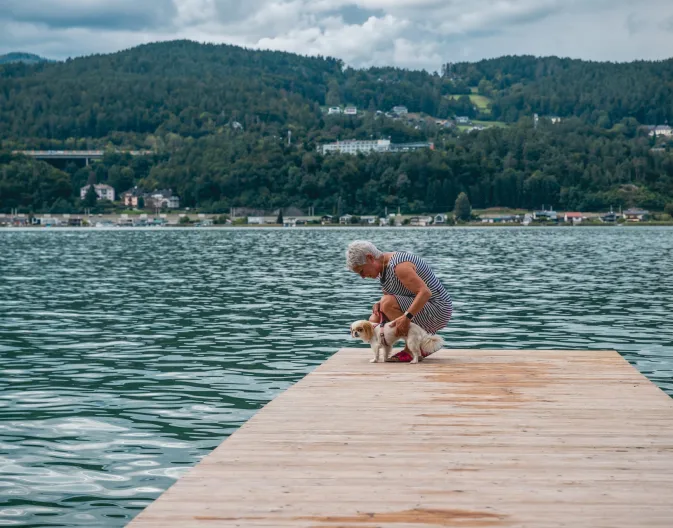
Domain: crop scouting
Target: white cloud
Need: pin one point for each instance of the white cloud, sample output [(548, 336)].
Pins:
[(408, 33), (190, 12)]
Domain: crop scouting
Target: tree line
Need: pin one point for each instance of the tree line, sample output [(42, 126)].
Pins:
[(217, 120)]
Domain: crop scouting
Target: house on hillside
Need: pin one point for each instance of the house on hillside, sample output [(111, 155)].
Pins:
[(334, 110), (400, 110), (462, 120), (350, 110), (163, 198), (354, 146), (661, 130), (345, 219), (440, 219), (130, 197), (103, 191)]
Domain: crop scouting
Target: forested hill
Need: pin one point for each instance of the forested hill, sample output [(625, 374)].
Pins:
[(217, 119), (599, 92), (190, 88), (26, 58)]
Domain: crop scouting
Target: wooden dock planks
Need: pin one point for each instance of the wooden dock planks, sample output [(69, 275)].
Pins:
[(468, 438)]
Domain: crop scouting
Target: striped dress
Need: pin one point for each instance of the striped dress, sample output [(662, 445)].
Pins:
[(436, 313)]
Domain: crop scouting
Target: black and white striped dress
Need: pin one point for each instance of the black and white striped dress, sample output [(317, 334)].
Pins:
[(436, 313)]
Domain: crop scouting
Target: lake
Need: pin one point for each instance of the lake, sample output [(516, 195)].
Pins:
[(128, 355)]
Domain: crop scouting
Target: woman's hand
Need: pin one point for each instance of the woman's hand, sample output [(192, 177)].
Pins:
[(401, 325), (376, 309)]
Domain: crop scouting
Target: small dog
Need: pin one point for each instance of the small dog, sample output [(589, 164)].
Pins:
[(382, 338)]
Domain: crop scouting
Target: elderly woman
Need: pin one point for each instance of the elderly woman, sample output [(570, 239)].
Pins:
[(411, 291)]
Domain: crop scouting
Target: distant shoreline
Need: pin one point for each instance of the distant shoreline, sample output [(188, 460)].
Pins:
[(316, 226)]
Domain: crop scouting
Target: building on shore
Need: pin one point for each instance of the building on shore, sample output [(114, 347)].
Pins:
[(575, 218), (636, 215), (160, 199)]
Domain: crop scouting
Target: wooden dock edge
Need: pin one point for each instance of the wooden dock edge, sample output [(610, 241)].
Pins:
[(536, 438)]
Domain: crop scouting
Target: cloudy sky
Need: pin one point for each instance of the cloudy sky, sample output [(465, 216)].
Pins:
[(407, 33)]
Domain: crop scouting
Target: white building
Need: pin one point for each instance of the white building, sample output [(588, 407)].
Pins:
[(104, 192), (462, 120), (164, 198), (420, 221), (662, 130), (351, 110), (575, 218), (545, 215), (354, 146), (400, 110), (369, 220), (636, 215), (334, 110)]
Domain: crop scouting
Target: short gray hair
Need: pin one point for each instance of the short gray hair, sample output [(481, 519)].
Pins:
[(356, 254)]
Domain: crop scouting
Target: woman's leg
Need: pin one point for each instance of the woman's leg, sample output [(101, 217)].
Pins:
[(390, 308)]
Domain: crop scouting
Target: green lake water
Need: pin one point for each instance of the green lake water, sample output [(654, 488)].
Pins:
[(128, 355)]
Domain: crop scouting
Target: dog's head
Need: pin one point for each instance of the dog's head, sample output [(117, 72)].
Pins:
[(363, 330)]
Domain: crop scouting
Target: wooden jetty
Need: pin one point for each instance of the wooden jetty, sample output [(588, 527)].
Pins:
[(468, 438)]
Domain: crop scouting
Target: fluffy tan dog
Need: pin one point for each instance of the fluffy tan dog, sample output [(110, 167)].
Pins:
[(382, 338)]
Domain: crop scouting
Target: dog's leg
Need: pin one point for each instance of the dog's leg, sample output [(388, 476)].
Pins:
[(414, 351), (386, 353), (375, 359)]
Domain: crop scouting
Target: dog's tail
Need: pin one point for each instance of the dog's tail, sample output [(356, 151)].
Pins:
[(431, 344)]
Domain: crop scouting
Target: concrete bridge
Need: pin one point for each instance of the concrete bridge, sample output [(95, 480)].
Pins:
[(85, 155)]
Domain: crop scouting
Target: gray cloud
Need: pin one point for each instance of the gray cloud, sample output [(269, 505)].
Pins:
[(353, 14), (101, 14), (667, 24), (635, 24), (408, 33)]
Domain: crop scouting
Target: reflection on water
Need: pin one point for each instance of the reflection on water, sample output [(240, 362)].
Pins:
[(128, 355)]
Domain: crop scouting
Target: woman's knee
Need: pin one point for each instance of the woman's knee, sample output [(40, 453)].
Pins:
[(389, 305), (388, 301)]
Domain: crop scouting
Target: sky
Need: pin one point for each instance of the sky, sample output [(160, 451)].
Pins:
[(417, 34)]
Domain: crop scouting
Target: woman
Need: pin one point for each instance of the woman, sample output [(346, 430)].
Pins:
[(411, 291)]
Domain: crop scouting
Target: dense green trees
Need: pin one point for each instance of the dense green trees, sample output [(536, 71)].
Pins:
[(462, 209), (217, 120), (569, 166), (599, 93)]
